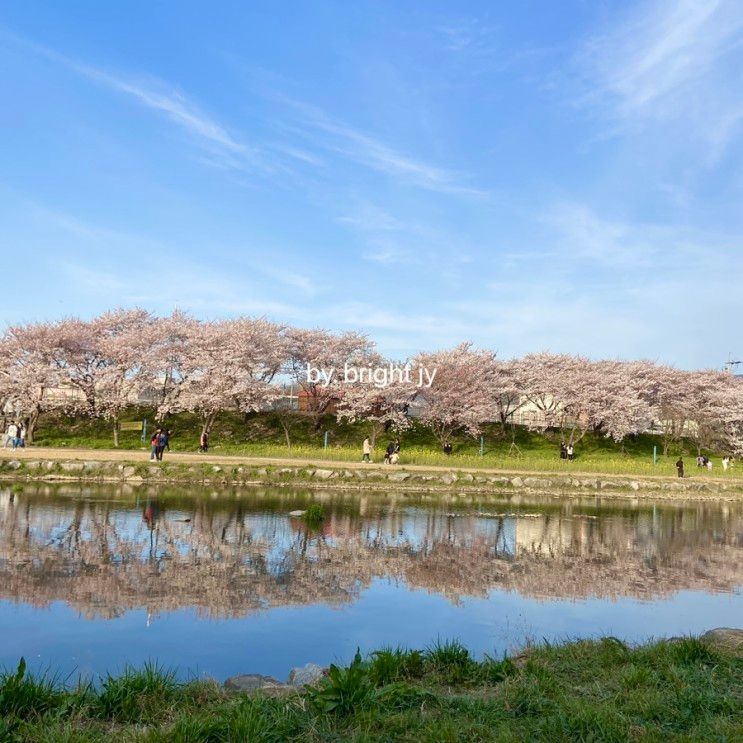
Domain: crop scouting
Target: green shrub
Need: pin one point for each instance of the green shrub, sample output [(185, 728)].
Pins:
[(344, 690)]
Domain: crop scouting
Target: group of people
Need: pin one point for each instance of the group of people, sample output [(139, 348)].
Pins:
[(159, 442), (703, 461), (706, 462), (15, 436), (391, 453), (567, 451)]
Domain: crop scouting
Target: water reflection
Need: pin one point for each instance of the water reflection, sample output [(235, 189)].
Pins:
[(105, 551)]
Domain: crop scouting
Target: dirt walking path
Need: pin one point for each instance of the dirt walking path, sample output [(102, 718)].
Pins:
[(131, 455)]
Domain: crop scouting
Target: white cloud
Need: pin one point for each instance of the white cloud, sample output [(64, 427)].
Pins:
[(225, 149), (361, 147), (671, 61), (368, 217)]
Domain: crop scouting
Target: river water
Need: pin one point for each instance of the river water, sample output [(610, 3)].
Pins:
[(218, 582)]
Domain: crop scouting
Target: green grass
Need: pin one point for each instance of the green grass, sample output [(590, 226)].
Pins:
[(261, 435), (590, 690)]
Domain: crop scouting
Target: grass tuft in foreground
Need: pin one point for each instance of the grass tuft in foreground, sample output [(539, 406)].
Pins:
[(602, 690)]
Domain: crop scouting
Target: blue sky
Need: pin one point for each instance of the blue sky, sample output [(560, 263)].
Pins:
[(529, 176)]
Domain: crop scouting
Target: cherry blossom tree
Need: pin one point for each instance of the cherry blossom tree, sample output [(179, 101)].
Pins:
[(29, 380), (102, 366), (382, 406), (670, 402), (508, 389), (460, 397), (713, 407), (328, 354), (103, 362), (121, 340), (211, 367), (577, 395), (168, 357), (612, 400), (77, 356), (546, 378)]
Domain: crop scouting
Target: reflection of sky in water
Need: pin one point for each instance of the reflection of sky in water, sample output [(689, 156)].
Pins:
[(91, 583), (385, 614)]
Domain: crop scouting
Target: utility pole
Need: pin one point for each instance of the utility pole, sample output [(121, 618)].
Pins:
[(730, 364)]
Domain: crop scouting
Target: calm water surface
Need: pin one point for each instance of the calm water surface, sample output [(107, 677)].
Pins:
[(222, 582)]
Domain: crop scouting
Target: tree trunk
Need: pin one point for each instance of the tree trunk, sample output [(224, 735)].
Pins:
[(31, 426), (209, 419), (286, 432), (377, 429), (116, 431)]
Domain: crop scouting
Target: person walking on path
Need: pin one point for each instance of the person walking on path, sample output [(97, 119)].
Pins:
[(204, 442), (17, 437), (154, 443), (389, 451), (10, 435), (366, 450), (680, 466), (162, 441)]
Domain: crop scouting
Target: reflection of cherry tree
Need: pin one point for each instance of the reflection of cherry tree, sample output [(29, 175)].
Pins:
[(230, 559)]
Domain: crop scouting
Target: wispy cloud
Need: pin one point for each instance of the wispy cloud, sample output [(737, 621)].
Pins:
[(368, 217), (224, 147), (573, 231), (363, 148), (386, 255), (669, 60)]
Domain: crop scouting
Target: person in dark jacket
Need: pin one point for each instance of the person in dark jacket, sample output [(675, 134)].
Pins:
[(447, 448), (680, 467), (162, 440)]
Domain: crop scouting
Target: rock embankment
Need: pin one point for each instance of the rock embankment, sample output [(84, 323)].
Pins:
[(345, 476)]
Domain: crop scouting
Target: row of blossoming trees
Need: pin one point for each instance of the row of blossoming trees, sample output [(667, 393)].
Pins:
[(184, 364)]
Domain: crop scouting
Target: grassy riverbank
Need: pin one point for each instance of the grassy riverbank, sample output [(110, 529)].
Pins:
[(263, 435), (682, 690)]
